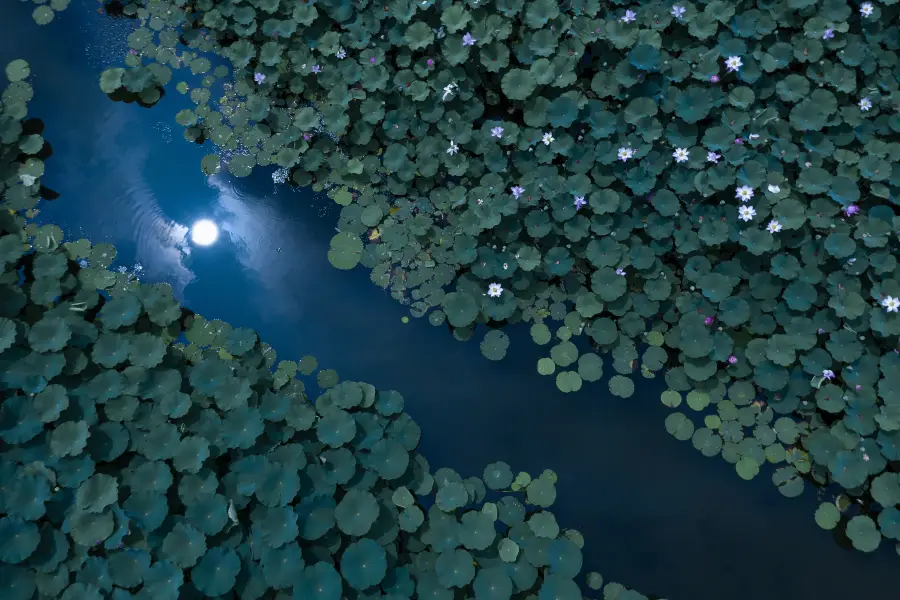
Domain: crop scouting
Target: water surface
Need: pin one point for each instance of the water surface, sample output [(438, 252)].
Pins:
[(657, 516)]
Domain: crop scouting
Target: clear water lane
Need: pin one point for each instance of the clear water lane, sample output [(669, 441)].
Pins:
[(656, 515)]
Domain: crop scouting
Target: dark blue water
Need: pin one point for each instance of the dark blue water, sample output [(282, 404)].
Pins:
[(657, 516)]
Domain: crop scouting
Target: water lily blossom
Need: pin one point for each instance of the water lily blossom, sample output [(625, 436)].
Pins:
[(713, 157), (547, 138), (678, 11), (865, 104), (259, 77), (680, 155), (629, 17), (316, 69), (579, 202), (448, 89), (372, 60), (708, 321), (891, 304), (625, 153), (866, 9), (341, 53), (453, 149), (774, 189), (773, 226), (468, 40), (27, 179), (732, 359), (733, 63), (744, 193), (828, 34), (517, 191), (497, 132), (851, 210), (714, 78), (828, 374), (620, 272), (746, 213), (495, 290)]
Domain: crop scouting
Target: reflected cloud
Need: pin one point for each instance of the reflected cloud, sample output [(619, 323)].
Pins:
[(133, 213), (273, 245)]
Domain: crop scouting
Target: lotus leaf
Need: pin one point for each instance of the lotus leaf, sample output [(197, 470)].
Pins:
[(492, 583), (216, 572), (863, 533), (98, 492), (184, 545), (494, 345), (18, 539), (356, 512)]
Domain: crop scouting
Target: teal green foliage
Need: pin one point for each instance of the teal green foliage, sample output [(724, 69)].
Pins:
[(136, 467), (593, 106)]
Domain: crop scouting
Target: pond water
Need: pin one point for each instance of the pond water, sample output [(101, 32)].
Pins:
[(656, 515)]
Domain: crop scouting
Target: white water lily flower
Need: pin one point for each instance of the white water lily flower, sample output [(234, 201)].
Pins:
[(733, 63), (746, 213), (625, 153), (495, 290), (629, 17), (27, 179), (448, 89), (497, 132), (453, 149), (713, 157), (774, 189), (865, 104), (866, 9), (744, 193), (579, 202), (680, 155), (341, 53), (517, 191), (678, 11), (547, 138), (773, 226), (891, 304)]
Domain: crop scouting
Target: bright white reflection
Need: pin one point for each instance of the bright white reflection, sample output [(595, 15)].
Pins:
[(204, 232)]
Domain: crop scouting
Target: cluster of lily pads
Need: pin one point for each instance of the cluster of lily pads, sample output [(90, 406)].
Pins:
[(148, 453), (703, 188)]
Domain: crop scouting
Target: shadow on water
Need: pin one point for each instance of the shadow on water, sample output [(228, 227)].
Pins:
[(656, 515)]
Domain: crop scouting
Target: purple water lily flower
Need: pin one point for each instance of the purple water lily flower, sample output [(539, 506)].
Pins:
[(714, 79), (851, 210), (732, 359), (259, 78), (738, 141), (316, 69), (307, 136), (372, 60), (620, 272), (858, 387), (708, 321), (579, 202), (430, 62), (517, 191), (828, 374), (497, 132), (828, 34), (468, 40)]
